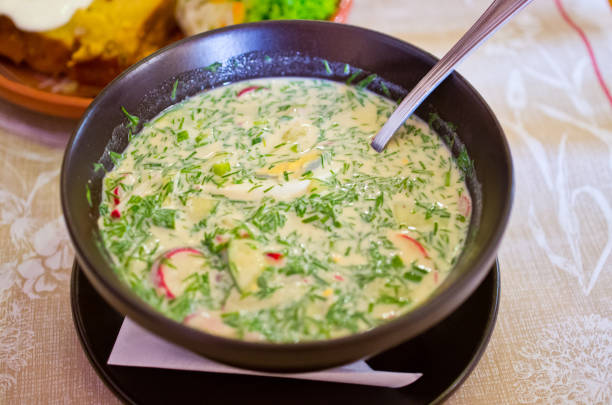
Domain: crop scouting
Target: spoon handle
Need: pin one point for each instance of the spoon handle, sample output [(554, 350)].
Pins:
[(493, 18)]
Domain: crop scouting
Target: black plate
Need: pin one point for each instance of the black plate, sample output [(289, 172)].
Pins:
[(445, 354), (288, 48)]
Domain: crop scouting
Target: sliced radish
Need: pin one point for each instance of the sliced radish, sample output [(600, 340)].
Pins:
[(116, 200), (275, 259), (415, 243), (464, 205), (222, 238), (274, 256), (409, 249), (115, 214), (220, 242), (247, 90), (169, 272), (338, 277)]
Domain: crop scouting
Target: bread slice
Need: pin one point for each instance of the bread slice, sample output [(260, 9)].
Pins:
[(97, 43)]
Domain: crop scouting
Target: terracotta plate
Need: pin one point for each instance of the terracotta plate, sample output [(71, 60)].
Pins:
[(62, 97)]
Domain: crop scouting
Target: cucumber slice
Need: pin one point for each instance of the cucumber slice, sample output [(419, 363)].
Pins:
[(246, 263), (200, 207)]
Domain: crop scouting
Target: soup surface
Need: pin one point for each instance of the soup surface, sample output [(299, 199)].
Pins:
[(259, 211)]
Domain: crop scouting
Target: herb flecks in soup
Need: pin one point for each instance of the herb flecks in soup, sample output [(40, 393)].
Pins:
[(259, 211)]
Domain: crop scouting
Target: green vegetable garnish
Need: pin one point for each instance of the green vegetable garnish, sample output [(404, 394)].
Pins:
[(88, 195), (327, 67), (221, 168), (257, 10), (174, 87), (134, 120)]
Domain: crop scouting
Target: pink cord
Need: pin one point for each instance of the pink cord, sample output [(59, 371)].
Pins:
[(584, 38)]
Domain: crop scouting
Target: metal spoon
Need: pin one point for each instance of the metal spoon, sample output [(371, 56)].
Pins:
[(498, 13)]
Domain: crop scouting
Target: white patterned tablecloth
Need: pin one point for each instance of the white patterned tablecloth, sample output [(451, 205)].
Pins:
[(548, 77)]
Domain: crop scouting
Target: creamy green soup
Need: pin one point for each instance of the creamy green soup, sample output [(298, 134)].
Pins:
[(259, 211)]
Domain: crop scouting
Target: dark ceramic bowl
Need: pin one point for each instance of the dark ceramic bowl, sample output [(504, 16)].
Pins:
[(295, 48)]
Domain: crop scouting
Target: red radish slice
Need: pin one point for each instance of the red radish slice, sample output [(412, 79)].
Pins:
[(339, 277), (174, 267), (115, 214), (158, 279), (175, 252), (464, 205), (275, 258), (116, 194), (247, 90), (220, 242), (415, 243), (409, 249)]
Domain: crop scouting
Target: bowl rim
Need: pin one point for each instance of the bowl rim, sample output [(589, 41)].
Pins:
[(435, 307)]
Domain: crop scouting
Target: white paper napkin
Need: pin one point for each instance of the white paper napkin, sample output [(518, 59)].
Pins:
[(137, 347)]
